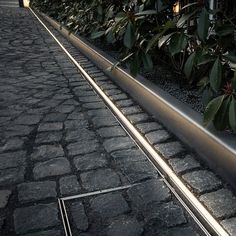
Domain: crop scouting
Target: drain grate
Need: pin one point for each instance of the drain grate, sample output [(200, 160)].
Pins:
[(78, 211)]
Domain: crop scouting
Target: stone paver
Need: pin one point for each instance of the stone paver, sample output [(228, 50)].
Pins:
[(125, 226), (35, 217), (181, 165), (46, 152), (69, 185), (53, 167), (221, 202), (114, 144), (100, 179), (90, 161), (4, 196), (201, 185), (34, 191), (109, 205), (78, 215)]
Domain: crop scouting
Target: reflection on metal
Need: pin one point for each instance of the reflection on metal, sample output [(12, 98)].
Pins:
[(63, 210), (205, 220)]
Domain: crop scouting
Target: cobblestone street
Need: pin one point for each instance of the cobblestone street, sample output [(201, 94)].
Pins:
[(58, 139)]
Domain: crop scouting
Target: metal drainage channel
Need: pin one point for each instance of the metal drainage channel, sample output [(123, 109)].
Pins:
[(195, 208)]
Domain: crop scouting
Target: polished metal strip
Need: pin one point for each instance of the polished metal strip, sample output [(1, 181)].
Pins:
[(206, 219), (97, 192), (67, 218), (62, 217)]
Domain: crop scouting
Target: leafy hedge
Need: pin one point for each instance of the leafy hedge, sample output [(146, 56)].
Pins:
[(199, 42)]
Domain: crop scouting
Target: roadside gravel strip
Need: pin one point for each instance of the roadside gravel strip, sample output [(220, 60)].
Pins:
[(58, 139)]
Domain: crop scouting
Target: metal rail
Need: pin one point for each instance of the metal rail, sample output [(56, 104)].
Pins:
[(217, 149), (199, 213)]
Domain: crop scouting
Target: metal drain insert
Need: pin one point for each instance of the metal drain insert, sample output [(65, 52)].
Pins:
[(74, 213)]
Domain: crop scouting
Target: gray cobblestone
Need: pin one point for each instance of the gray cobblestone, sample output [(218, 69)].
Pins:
[(48, 137), (130, 155), (165, 215), (54, 126), (100, 179), (148, 127), (12, 176), (125, 226), (115, 144), (109, 132), (169, 150), (46, 233), (55, 117), (90, 161), (46, 152), (230, 225), (65, 109), (53, 167), (138, 118), (100, 113), (99, 122), (137, 171), (4, 197), (131, 110), (88, 99), (124, 103), (35, 217), (180, 165), (69, 185), (117, 97), (157, 136), (78, 215), (82, 147), (221, 203), (28, 120), (12, 159), (109, 205), (79, 135), (94, 106), (76, 124), (202, 181), (18, 130), (148, 192), (34, 191), (13, 144)]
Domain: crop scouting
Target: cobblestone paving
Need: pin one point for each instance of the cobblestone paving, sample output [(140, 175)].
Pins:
[(58, 139)]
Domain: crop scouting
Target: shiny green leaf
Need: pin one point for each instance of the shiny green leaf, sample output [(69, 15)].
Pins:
[(216, 75), (188, 67), (97, 34), (212, 108), (221, 120), (203, 25), (232, 114), (164, 39), (147, 61), (129, 37), (177, 43)]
